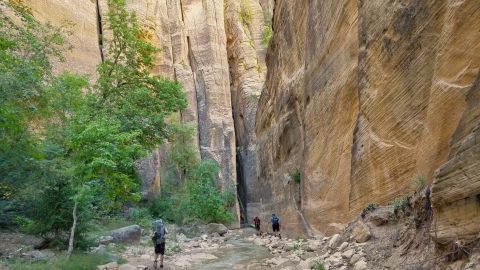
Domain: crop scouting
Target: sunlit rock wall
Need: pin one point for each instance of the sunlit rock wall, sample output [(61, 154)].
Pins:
[(362, 97)]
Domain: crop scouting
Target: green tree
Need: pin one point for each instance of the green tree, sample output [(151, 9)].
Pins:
[(125, 116), (66, 147), (205, 201), (183, 153), (25, 78)]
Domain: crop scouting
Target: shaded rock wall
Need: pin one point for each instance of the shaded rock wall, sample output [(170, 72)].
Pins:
[(362, 97), (246, 56), (456, 186)]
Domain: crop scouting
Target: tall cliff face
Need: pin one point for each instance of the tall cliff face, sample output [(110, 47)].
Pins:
[(222, 76), (246, 56), (362, 97)]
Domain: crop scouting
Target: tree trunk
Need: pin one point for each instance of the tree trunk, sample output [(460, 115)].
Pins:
[(72, 232)]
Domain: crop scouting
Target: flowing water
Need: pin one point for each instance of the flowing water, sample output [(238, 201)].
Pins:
[(237, 255)]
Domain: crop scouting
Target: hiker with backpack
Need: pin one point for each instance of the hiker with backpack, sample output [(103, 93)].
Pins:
[(158, 239), (275, 225)]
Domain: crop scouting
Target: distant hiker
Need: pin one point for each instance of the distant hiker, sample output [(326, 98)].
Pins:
[(276, 225), (256, 222), (158, 239)]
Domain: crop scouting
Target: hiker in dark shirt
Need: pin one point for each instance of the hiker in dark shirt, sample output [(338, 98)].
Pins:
[(275, 225), (158, 238), (256, 222)]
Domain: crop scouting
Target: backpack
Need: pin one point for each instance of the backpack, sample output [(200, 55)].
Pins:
[(159, 232), (275, 220)]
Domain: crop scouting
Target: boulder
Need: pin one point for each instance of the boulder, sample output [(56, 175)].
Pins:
[(259, 242), (360, 265), (98, 250), (216, 228), (289, 246), (335, 241), (127, 267), (105, 240), (108, 266), (380, 216), (313, 245), (361, 232), (348, 254), (129, 234), (35, 256), (355, 258), (343, 246)]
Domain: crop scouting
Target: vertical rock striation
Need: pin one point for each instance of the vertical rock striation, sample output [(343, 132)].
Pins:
[(246, 57), (362, 97), (192, 38)]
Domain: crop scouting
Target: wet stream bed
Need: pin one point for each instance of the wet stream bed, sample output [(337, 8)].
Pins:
[(237, 254)]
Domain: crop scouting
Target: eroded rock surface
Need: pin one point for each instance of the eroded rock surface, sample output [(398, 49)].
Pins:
[(362, 97)]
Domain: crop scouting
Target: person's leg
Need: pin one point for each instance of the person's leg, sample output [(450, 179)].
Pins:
[(155, 262), (162, 252)]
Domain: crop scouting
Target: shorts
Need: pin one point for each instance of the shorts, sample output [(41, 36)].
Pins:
[(160, 249), (276, 227)]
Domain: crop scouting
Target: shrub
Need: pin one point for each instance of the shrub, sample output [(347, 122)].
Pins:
[(296, 176), (75, 262), (204, 200), (140, 216), (369, 208), (173, 249), (418, 183), (245, 13), (400, 203), (267, 35), (195, 199), (318, 265)]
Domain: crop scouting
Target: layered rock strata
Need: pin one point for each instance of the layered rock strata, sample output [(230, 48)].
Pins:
[(363, 97)]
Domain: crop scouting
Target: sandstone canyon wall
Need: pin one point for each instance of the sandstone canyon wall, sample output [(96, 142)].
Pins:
[(221, 76), (361, 97), (364, 96)]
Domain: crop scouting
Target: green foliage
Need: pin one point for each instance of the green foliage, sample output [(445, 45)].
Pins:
[(267, 32), (400, 203), (124, 117), (369, 208), (183, 154), (267, 35), (63, 142), (75, 262), (245, 13), (173, 249), (137, 99), (318, 265), (189, 192), (296, 176), (30, 97), (204, 200), (140, 216), (418, 184)]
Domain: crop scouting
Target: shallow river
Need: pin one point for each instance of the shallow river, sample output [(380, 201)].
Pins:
[(237, 256)]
